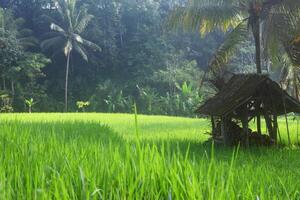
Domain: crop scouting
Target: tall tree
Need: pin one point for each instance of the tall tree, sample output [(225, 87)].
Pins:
[(67, 34), (235, 16)]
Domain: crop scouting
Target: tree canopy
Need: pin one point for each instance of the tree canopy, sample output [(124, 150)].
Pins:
[(50, 51)]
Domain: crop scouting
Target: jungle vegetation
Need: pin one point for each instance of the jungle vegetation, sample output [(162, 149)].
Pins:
[(112, 53)]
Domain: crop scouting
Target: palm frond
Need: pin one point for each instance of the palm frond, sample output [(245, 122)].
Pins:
[(228, 48), (28, 41), (205, 15), (293, 51), (57, 28), (82, 20), (82, 52), (281, 27), (50, 34), (77, 38), (25, 32), (91, 45), (69, 36), (53, 43), (47, 19)]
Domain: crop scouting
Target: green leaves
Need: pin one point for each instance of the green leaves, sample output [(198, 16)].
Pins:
[(29, 102), (205, 16), (228, 48), (279, 19), (57, 28), (74, 22), (82, 105)]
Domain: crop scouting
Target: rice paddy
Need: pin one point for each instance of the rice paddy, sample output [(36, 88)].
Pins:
[(108, 156)]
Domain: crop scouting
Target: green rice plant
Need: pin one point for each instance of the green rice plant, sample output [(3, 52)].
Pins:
[(96, 156)]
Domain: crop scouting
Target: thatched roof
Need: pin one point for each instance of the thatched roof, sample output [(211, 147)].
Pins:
[(241, 88)]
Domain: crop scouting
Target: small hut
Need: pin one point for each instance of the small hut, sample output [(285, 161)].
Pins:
[(242, 99)]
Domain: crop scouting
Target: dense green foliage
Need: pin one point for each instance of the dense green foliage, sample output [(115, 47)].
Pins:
[(141, 61), (272, 26), (114, 53), (97, 156)]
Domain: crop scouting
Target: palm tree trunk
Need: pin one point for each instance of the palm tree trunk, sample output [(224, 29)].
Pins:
[(256, 33), (67, 80)]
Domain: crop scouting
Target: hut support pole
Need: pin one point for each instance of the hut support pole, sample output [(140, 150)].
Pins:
[(224, 130), (287, 128), (246, 132), (286, 120), (258, 120), (279, 135), (275, 127), (297, 130), (285, 115), (269, 125), (245, 127), (213, 127), (258, 124)]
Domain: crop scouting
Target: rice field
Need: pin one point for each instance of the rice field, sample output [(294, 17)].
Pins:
[(109, 156)]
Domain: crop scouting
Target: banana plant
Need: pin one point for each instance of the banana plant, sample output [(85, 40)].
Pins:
[(30, 103), (81, 105)]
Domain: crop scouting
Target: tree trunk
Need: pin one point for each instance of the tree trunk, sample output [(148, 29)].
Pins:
[(66, 83), (12, 91), (4, 83), (256, 33)]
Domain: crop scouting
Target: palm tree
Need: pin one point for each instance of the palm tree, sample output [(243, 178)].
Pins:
[(235, 16), (66, 35), (287, 53)]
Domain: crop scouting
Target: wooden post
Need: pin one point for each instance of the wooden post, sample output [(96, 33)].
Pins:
[(213, 127), (258, 118), (275, 127), (297, 130), (285, 115), (269, 125), (279, 135), (286, 120), (258, 124), (245, 125), (224, 130), (245, 130)]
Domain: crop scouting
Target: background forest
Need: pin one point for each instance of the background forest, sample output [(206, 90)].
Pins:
[(117, 52)]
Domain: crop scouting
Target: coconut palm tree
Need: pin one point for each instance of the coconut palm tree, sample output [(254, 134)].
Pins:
[(67, 34), (285, 27), (236, 17)]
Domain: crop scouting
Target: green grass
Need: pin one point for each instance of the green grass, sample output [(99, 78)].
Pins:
[(98, 156)]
